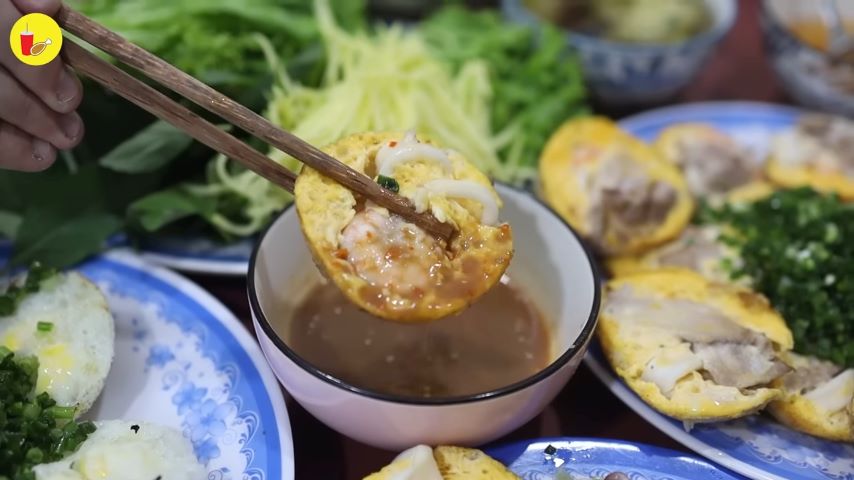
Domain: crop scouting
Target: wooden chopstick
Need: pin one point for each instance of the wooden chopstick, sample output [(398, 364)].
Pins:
[(215, 102), (166, 109)]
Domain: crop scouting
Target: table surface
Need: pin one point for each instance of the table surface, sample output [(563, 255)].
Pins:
[(738, 71)]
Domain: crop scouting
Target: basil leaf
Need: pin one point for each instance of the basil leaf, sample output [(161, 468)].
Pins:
[(159, 209), (59, 240), (151, 148)]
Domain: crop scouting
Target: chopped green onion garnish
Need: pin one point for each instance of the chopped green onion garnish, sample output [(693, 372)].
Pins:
[(795, 248), (33, 429), (64, 413), (388, 183), (15, 293), (44, 326)]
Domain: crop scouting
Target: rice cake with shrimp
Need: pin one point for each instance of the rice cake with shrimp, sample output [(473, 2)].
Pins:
[(817, 152), (693, 349), (714, 165), (386, 265), (617, 191), (818, 398)]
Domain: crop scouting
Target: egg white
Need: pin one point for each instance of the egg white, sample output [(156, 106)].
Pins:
[(122, 450), (76, 353)]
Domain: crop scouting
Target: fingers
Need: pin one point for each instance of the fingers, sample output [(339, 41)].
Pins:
[(20, 151), (48, 7), (53, 83), (23, 109)]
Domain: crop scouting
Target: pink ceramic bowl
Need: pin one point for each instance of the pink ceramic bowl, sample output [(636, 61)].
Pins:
[(551, 265)]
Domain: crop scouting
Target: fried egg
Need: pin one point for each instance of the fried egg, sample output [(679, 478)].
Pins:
[(818, 398), (68, 326), (617, 191), (693, 349), (122, 450), (713, 163), (817, 152), (386, 265)]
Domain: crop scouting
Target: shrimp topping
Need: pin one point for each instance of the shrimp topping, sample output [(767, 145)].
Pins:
[(391, 253)]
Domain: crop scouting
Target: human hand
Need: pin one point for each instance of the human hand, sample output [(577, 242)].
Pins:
[(37, 104)]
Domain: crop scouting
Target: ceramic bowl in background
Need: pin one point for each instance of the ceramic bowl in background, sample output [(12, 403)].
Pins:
[(632, 74), (805, 71), (550, 265)]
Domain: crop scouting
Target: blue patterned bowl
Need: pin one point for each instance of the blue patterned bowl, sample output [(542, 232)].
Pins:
[(803, 70), (632, 74)]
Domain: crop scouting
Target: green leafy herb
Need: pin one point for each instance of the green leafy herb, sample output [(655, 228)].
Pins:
[(31, 283), (796, 248), (536, 83), (212, 39), (159, 209), (111, 180), (33, 429), (57, 240), (150, 149), (388, 183), (44, 326)]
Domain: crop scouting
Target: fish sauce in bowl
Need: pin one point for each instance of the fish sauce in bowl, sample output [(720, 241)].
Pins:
[(499, 340)]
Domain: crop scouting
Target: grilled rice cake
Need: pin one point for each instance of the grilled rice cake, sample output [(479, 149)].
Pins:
[(816, 152), (693, 349), (392, 268), (456, 463), (617, 191), (818, 398), (715, 166)]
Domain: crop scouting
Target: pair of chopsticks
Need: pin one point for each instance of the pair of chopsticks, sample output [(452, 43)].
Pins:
[(205, 132)]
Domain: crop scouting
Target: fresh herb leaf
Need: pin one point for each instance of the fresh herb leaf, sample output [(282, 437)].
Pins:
[(59, 240), (150, 149), (536, 83), (56, 187), (159, 209), (388, 183), (202, 37)]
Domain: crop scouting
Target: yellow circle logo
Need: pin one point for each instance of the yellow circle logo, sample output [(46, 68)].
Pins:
[(36, 39)]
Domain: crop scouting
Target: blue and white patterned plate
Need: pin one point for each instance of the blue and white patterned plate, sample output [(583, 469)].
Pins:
[(755, 446), (591, 458), (199, 255), (183, 360)]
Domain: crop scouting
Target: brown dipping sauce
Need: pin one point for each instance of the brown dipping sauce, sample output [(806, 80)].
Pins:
[(499, 340)]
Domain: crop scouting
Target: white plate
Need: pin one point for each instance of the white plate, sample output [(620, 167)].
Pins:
[(183, 360), (755, 446)]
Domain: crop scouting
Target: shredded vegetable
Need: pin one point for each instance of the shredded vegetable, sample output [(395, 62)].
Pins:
[(388, 80)]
